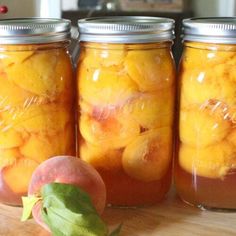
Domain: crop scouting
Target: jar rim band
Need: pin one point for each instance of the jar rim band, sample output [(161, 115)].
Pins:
[(34, 30), (210, 29), (126, 29)]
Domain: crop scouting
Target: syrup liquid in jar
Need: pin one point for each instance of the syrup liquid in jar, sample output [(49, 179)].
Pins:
[(36, 100), (126, 91), (205, 168)]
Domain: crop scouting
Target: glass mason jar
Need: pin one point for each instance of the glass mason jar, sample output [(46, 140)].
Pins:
[(36, 100), (206, 163), (126, 90)]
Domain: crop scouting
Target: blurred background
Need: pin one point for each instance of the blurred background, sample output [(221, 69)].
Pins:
[(77, 9)]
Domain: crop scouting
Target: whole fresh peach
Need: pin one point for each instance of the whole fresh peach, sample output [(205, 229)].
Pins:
[(67, 170)]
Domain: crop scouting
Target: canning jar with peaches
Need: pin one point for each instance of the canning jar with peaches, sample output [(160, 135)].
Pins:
[(205, 169), (36, 100), (126, 91)]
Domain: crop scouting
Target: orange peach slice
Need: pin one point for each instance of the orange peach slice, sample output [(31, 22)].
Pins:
[(112, 132), (199, 86), (150, 69), (10, 58), (212, 162), (101, 157), (203, 126), (36, 74), (18, 175), (148, 157), (45, 73), (48, 146), (106, 56), (10, 138), (62, 143), (8, 156), (12, 95), (43, 118), (152, 110), (105, 86), (201, 57)]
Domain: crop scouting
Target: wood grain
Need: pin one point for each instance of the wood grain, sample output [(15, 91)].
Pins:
[(168, 218)]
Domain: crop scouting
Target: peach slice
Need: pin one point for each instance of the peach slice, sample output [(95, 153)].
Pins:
[(12, 95), (10, 58), (101, 157), (214, 161), (106, 56), (112, 132), (35, 74), (62, 143), (150, 69), (105, 86), (43, 73), (201, 57), (10, 138), (203, 126), (148, 157), (69, 170), (18, 175), (38, 118), (207, 84), (8, 156), (48, 146), (152, 110)]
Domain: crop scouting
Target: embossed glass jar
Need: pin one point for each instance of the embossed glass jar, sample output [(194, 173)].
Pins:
[(126, 90), (36, 100), (205, 166)]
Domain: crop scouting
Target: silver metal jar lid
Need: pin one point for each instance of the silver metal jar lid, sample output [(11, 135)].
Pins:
[(126, 29), (210, 30), (34, 30)]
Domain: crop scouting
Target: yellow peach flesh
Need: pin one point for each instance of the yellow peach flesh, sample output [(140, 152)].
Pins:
[(207, 109), (213, 161), (101, 157), (151, 69), (8, 156), (203, 126), (111, 132), (148, 157), (105, 86), (18, 175)]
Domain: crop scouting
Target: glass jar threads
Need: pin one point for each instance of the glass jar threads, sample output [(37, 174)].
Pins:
[(36, 100), (126, 90), (205, 166)]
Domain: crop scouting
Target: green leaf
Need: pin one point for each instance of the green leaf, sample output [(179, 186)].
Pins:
[(68, 211), (28, 203), (117, 231)]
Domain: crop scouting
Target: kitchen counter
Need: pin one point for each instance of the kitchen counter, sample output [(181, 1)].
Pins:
[(169, 218)]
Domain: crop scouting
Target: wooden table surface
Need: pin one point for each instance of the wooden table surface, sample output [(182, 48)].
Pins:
[(168, 218)]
